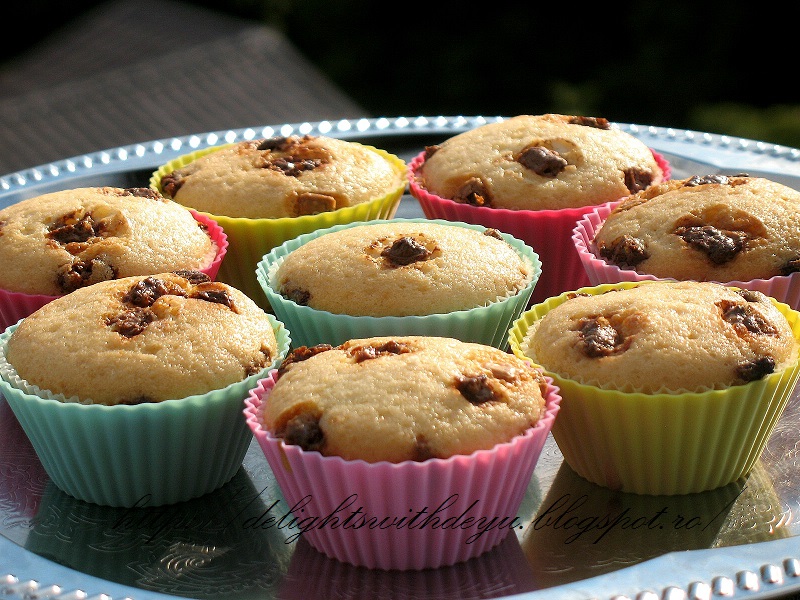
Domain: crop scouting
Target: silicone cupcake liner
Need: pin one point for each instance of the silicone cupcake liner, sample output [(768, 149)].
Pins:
[(17, 305), (784, 288), (664, 443), (408, 515), (485, 325), (548, 232), (250, 239), (148, 454)]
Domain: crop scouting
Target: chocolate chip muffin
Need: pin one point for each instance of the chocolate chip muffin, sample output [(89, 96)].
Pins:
[(282, 177), (403, 398), (536, 162), (707, 228), (143, 339), (58, 242), (663, 335), (403, 267)]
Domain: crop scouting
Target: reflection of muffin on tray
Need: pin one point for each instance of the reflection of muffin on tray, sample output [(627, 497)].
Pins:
[(400, 277), (584, 530), (266, 191), (55, 243), (147, 372), (22, 478), (668, 387), (396, 427), (533, 176), (502, 571), (202, 548), (740, 230)]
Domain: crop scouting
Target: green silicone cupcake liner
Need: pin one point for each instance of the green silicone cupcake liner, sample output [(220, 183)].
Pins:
[(664, 443), (250, 239), (486, 325), (148, 454)]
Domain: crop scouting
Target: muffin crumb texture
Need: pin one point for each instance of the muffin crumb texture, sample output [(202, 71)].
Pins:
[(283, 177), (706, 228), (401, 269), (403, 398), (143, 339), (687, 336), (535, 162), (58, 242)]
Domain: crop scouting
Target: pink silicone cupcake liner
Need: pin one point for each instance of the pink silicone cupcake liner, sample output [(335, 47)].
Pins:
[(17, 305), (408, 515), (784, 288), (548, 232)]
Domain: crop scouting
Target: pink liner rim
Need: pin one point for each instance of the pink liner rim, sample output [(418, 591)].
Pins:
[(218, 236), (421, 193), (253, 404), (586, 228)]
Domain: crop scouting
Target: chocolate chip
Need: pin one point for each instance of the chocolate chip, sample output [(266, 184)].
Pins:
[(273, 143), (405, 251), (304, 430), (791, 266), (310, 203), (193, 277), (131, 322), (297, 296), (217, 295), (362, 353), (259, 362), (637, 179), (745, 318), (473, 191), (756, 369), (73, 227), (542, 161), (600, 338), (696, 180), (751, 295), (720, 246), (2, 225), (493, 233), (293, 166), (625, 251), (300, 354), (172, 182), (422, 449), (82, 273), (142, 192), (146, 291), (597, 122), (431, 150), (476, 389)]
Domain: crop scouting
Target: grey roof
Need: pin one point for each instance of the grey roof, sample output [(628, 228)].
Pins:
[(134, 71)]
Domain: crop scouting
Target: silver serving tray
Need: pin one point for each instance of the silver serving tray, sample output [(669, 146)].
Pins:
[(578, 540)]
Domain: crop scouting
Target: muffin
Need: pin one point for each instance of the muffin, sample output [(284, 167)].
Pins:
[(740, 230), (386, 428), (533, 176), (183, 351), (55, 243), (399, 276), (669, 387), (266, 191)]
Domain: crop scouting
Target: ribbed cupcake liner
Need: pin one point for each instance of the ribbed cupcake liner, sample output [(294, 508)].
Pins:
[(485, 325), (17, 305), (784, 288), (548, 232), (408, 515), (148, 454), (250, 239), (663, 443)]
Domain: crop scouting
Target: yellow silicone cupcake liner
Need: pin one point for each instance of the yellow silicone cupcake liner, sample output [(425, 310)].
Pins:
[(663, 443), (250, 239)]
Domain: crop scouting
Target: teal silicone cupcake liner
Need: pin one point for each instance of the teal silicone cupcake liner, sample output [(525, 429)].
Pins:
[(148, 454), (486, 325)]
